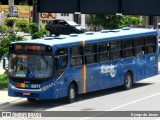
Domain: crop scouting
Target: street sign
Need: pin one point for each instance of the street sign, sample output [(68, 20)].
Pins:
[(13, 12)]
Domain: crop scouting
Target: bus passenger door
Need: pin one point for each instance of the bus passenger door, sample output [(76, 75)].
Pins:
[(61, 72)]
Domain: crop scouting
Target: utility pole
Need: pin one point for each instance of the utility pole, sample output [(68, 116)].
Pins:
[(11, 4), (11, 10), (77, 13), (155, 22), (35, 13)]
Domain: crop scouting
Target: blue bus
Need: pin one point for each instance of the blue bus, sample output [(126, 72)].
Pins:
[(68, 65)]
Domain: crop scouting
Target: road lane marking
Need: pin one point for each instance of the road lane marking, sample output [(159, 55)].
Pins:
[(138, 100), (157, 119), (134, 101)]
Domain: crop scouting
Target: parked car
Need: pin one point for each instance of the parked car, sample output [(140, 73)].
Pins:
[(63, 27)]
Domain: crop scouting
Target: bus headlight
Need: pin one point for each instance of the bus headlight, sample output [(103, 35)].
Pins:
[(11, 86), (47, 87)]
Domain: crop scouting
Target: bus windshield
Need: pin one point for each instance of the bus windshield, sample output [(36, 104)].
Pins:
[(30, 66)]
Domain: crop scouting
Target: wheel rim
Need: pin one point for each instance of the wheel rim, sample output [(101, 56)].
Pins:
[(72, 93), (128, 81)]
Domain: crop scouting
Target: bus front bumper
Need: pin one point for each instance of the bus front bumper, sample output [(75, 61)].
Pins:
[(46, 92)]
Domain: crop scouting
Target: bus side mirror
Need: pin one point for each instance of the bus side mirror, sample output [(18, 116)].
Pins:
[(5, 61)]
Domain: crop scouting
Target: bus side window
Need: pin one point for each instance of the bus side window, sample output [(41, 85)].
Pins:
[(128, 47), (90, 54), (61, 60), (116, 49), (76, 56), (140, 46), (104, 52), (151, 44)]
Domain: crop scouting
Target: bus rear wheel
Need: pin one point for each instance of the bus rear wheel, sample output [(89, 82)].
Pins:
[(71, 94), (128, 80)]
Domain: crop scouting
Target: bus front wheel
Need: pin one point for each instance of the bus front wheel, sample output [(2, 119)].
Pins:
[(128, 80), (71, 94)]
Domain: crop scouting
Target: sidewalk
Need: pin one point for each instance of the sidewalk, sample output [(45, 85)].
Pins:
[(25, 35), (5, 99)]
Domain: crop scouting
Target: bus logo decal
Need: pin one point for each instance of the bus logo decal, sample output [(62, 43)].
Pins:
[(108, 69)]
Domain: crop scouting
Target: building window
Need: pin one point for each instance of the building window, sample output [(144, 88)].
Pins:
[(64, 14)]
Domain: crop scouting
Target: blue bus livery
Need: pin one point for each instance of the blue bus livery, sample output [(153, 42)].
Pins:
[(64, 66)]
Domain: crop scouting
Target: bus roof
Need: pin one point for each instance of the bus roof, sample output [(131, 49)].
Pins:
[(89, 37)]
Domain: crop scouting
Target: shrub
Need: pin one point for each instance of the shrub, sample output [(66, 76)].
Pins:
[(37, 35), (3, 29), (3, 81), (33, 27), (10, 21), (44, 31), (4, 44), (23, 26)]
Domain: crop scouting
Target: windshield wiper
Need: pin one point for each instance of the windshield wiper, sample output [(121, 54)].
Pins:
[(42, 56)]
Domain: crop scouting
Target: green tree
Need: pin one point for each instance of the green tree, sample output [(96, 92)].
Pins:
[(95, 21), (132, 21), (34, 31), (4, 44), (33, 28), (23, 26), (3, 30), (9, 36), (103, 21)]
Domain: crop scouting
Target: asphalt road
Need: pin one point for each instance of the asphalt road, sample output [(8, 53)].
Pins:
[(145, 96)]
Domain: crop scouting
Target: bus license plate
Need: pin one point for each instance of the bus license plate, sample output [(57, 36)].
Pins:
[(26, 94)]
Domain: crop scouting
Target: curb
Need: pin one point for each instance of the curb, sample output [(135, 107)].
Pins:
[(6, 103)]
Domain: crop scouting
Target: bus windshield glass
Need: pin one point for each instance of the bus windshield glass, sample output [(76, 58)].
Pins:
[(30, 66)]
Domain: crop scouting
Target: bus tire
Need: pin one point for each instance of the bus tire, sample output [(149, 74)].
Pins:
[(128, 81), (31, 99), (71, 94)]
